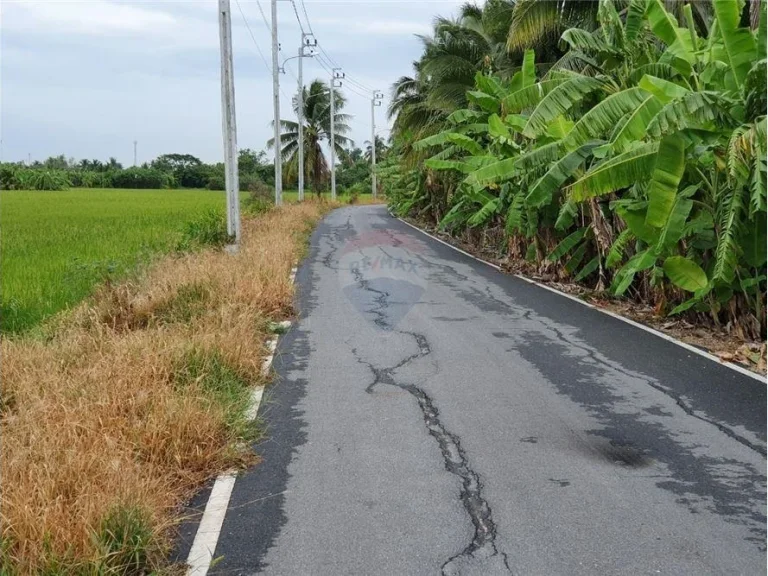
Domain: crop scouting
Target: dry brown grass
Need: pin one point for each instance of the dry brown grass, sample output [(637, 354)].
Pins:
[(95, 423)]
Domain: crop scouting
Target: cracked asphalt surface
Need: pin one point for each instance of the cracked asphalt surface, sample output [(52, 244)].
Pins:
[(433, 416)]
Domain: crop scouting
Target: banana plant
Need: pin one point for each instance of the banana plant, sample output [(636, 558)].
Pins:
[(637, 161)]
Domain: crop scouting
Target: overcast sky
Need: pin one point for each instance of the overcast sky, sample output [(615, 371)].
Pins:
[(87, 78)]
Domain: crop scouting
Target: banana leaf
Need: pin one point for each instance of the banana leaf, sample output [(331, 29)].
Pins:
[(619, 172), (740, 46), (667, 172), (558, 173), (558, 101), (603, 117)]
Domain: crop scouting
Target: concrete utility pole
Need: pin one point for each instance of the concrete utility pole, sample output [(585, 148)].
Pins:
[(135, 156), (305, 42), (336, 76), (375, 101), (229, 126), (276, 100), (300, 116)]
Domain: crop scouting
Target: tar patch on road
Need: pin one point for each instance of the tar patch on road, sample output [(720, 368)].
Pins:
[(631, 440)]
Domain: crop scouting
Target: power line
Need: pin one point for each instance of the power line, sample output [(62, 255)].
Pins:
[(263, 58), (306, 16), (328, 65), (264, 17), (322, 56), (248, 27), (328, 56), (331, 63), (361, 86), (357, 92), (295, 11)]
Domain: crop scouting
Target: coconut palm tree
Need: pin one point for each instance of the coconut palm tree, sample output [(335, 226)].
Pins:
[(460, 47), (409, 106), (381, 149), (113, 164), (538, 24), (317, 129)]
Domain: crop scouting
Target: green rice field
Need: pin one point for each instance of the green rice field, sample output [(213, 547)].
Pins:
[(56, 246)]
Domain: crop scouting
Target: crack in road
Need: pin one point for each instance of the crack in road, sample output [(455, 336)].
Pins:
[(481, 554), (380, 300), (483, 544), (336, 242)]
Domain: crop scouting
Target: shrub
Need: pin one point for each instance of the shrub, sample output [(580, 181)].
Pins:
[(89, 179), (354, 192), (248, 180), (43, 179), (209, 229), (9, 177), (216, 182), (146, 178), (261, 198)]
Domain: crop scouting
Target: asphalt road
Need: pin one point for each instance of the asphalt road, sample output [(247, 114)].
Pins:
[(434, 416)]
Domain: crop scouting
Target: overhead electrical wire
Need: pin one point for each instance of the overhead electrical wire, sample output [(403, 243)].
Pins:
[(264, 17), (322, 57), (326, 61), (352, 84), (333, 64), (295, 11), (255, 43), (327, 67), (306, 16)]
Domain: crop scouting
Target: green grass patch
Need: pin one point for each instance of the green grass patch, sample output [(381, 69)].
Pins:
[(222, 385), (190, 302), (207, 229), (343, 197), (56, 246), (127, 541)]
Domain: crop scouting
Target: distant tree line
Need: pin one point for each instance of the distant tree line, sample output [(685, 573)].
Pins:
[(165, 171), (168, 171)]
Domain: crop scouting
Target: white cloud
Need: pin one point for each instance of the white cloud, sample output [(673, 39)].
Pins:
[(94, 17), (85, 78), (397, 27), (378, 26)]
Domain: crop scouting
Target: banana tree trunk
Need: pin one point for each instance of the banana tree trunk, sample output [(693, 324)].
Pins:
[(754, 13)]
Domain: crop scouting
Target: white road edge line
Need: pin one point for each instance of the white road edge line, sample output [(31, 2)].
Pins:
[(666, 337), (207, 536)]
